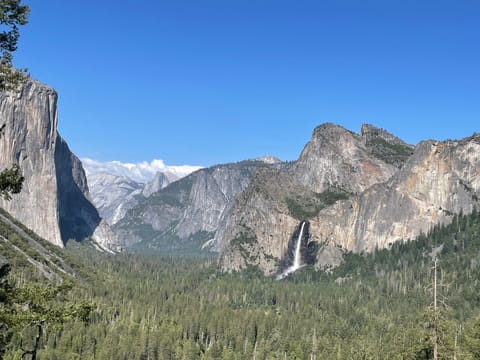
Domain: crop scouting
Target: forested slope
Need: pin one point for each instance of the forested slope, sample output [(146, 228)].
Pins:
[(30, 255), (371, 307), (41, 288)]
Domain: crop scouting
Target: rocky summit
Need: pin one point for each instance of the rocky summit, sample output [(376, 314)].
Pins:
[(116, 187), (113, 195), (54, 201)]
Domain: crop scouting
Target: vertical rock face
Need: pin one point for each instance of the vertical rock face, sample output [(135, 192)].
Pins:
[(334, 165), (78, 218), (29, 136), (260, 226), (337, 157), (159, 181), (54, 201), (391, 193), (438, 181)]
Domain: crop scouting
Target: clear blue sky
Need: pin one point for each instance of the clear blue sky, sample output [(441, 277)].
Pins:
[(203, 82)]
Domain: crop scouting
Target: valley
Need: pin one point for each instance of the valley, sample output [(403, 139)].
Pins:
[(328, 256), (359, 241), (375, 306)]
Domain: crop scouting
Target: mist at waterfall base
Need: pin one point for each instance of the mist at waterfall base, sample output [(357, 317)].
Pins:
[(297, 259), (300, 252)]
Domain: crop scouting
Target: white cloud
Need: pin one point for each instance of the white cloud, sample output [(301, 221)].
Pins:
[(141, 172)]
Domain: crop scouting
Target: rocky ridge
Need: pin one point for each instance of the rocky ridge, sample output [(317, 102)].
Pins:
[(113, 195), (114, 190), (191, 209), (438, 181)]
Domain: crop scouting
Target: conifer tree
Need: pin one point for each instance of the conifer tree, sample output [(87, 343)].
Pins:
[(11, 182), (12, 15), (472, 337), (33, 309)]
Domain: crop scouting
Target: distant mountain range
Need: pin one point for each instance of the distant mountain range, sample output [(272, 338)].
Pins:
[(190, 210), (116, 187), (141, 172)]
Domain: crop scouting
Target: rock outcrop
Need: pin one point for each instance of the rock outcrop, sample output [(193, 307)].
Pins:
[(439, 180), (339, 158), (335, 165), (54, 201), (159, 181), (385, 146), (113, 195)]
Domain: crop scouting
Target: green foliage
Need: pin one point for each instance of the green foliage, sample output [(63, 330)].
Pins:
[(175, 308), (445, 328), (303, 207), (472, 339), (11, 181), (12, 15), (35, 303), (30, 307), (169, 244), (27, 252), (392, 153), (41, 306), (373, 306), (10, 77), (244, 241)]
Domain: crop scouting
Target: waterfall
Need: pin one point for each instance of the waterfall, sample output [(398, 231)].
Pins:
[(297, 259)]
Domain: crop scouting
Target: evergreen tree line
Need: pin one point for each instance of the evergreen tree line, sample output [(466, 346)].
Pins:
[(373, 306)]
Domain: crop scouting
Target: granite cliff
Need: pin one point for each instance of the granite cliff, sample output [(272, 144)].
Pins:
[(440, 180), (188, 211), (54, 201), (336, 165), (358, 192)]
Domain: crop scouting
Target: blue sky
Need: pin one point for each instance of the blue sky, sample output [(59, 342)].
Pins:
[(203, 82)]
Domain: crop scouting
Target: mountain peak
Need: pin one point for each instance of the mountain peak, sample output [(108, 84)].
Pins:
[(269, 159), (370, 132), (385, 146), (141, 172), (332, 155), (330, 131)]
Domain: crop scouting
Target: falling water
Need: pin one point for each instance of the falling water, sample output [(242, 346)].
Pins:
[(297, 259)]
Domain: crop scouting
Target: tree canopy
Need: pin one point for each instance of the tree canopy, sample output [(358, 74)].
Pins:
[(31, 309), (11, 181), (12, 15)]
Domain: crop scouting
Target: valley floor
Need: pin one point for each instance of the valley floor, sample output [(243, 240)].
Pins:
[(371, 307)]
